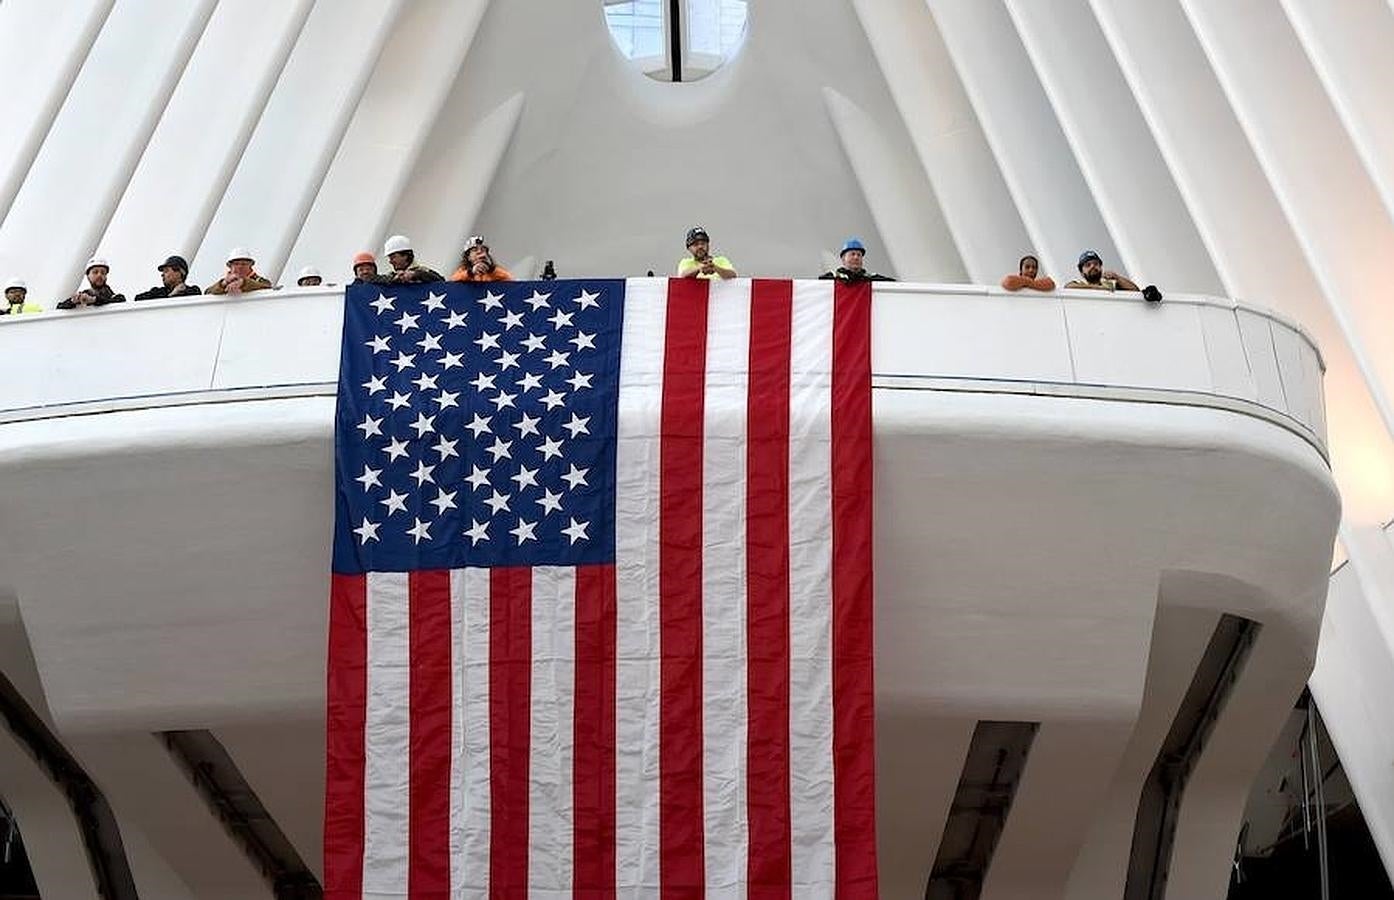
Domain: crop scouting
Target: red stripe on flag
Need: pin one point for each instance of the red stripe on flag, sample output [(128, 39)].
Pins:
[(681, 869), (593, 779), (347, 690), (510, 728), (854, 722), (428, 872), (767, 596)]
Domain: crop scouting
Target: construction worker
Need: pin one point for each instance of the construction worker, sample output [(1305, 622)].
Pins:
[(173, 274), (477, 264), (241, 277), (699, 263), (97, 292), (365, 269), (309, 277), (852, 270), (15, 303), (399, 253)]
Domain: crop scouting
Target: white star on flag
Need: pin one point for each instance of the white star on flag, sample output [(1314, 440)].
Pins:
[(479, 532), (368, 531), (525, 531), (394, 502), (576, 531), (383, 303), (421, 531)]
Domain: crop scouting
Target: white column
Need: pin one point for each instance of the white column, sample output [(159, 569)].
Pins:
[(976, 203), (42, 44), (282, 166), (395, 116), (1344, 229), (1024, 136), (94, 143), (1239, 218), (190, 157), (1156, 238)]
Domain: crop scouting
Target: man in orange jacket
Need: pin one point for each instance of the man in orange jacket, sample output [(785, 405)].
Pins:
[(476, 264)]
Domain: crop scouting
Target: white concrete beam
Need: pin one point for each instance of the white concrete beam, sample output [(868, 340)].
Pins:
[(1246, 230), (1344, 229), (190, 157), (95, 141), (1156, 238), (403, 99), (906, 211), (976, 203), (43, 46), (277, 177), (1024, 136), (1348, 44)]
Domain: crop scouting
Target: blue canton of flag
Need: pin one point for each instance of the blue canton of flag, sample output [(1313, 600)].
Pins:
[(476, 425)]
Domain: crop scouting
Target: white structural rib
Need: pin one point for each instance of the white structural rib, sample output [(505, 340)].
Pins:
[(902, 203), (1024, 136), (42, 44), (190, 158), (277, 178), (1318, 176), (1155, 235), (1244, 227), (95, 141), (404, 97), (1348, 43), (976, 203), (441, 204)]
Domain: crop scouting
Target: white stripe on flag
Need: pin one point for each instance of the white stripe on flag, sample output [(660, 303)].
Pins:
[(810, 592), (386, 736), (550, 816), (724, 589), (636, 588), (469, 773)]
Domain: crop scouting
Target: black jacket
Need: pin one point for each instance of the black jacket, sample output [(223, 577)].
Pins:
[(161, 292), (417, 275), (842, 273), (101, 297)]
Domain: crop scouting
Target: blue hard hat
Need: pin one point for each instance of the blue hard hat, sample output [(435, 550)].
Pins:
[(852, 244), (1088, 255)]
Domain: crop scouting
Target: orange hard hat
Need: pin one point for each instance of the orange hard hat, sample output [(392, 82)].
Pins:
[(364, 257)]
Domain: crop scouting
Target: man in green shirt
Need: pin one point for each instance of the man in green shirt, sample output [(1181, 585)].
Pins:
[(699, 263)]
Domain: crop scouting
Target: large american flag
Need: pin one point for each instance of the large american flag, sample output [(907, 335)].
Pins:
[(601, 611)]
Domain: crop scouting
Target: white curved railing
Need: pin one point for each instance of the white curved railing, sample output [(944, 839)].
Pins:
[(1187, 350)]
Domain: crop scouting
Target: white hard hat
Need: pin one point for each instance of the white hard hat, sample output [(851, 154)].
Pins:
[(309, 272), (97, 261), (237, 253), (16, 283), (398, 243)]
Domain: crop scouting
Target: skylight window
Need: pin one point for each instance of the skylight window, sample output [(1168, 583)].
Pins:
[(707, 34)]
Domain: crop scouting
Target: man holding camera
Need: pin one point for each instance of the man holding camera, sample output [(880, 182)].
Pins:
[(699, 263), (1097, 278)]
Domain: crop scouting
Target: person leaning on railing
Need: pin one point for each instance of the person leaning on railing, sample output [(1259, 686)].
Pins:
[(241, 277), (1097, 278), (1028, 276), (477, 264), (16, 292), (852, 270), (174, 273), (402, 258), (97, 292)]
